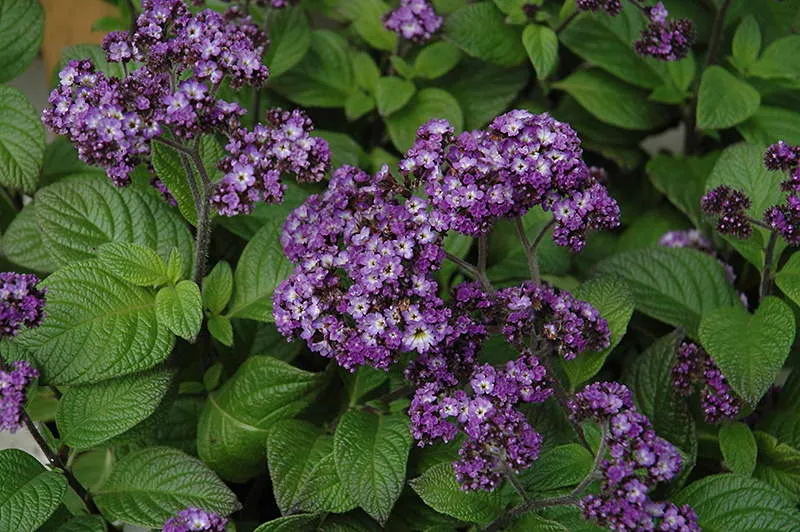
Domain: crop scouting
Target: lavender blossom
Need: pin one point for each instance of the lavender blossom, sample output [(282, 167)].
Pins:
[(414, 20), (694, 367), (12, 394), (21, 303), (195, 520), (730, 206)]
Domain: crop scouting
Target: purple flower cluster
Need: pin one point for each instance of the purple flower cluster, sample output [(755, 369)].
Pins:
[(637, 459), (499, 438), (21, 303), (258, 158), (195, 520), (730, 207), (694, 367), (520, 161), (667, 40), (573, 326), (363, 287), (413, 20), (785, 219), (12, 394)]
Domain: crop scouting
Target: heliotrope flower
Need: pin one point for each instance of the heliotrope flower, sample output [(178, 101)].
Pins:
[(730, 207), (21, 303), (12, 393), (195, 520), (413, 20), (785, 218), (635, 460), (694, 367)]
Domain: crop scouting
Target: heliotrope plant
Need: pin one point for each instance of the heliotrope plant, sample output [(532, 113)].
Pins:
[(404, 265)]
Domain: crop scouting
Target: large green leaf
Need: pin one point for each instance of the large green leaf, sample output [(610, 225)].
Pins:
[(484, 90), (746, 43), (725, 503), (371, 451), (541, 45), (738, 446), (294, 448), (682, 180), (78, 214), (235, 421), (425, 105), (28, 493), (614, 300), (480, 30), (21, 30), (22, 243), (148, 486), (91, 414), (138, 265), (676, 286), (750, 349), (97, 327), (21, 136), (439, 489), (323, 490), (368, 23), (771, 124), (392, 93), (780, 59), (614, 101), (723, 100), (290, 39), (84, 523), (436, 60), (778, 465), (560, 467), (261, 268)]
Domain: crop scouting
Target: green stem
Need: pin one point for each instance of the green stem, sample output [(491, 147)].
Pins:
[(483, 257), (765, 288), (465, 266), (567, 21)]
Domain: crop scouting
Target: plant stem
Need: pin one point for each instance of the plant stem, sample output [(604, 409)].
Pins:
[(483, 257), (468, 268), (765, 288), (55, 462), (512, 478), (563, 398), (567, 21)]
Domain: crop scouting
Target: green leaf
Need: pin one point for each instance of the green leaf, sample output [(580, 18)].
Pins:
[(290, 39), (676, 286), (735, 502), (650, 378), (324, 491), (746, 43), (784, 424), (180, 308), (84, 523), (21, 31), (22, 243), (171, 171), (371, 452), (291, 523), (402, 67), (484, 90), (738, 446), (425, 105), (392, 94), (133, 263), (78, 214), (60, 160), (365, 71), (147, 487), (261, 268), (436, 60), (221, 329), (236, 418), (364, 380), (357, 105), (611, 296), (174, 268), (21, 137), (749, 348), (614, 102), (778, 465), (369, 24), (293, 449), (97, 327), (93, 53), (344, 150), (480, 30), (93, 413), (781, 59), (788, 278), (682, 180), (771, 124), (560, 467), (541, 44), (324, 78), (218, 288), (724, 100), (439, 489), (28, 493)]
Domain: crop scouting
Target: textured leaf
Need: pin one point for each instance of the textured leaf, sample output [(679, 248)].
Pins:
[(560, 467), (734, 502), (61, 159), (324, 491), (138, 265), (180, 308), (682, 180), (290, 39), (221, 329), (746, 43), (425, 105), (21, 30), (78, 214), (541, 44), (436, 60), (480, 30), (676, 286), (614, 300), (724, 100), (368, 24), (738, 446), (291, 523), (771, 124), (612, 101), (749, 348), (84, 523), (169, 167), (235, 421), (359, 383), (218, 287), (784, 425), (781, 59), (261, 268), (293, 449), (21, 132), (788, 278), (439, 489), (22, 243), (371, 452), (97, 327), (91, 414), (147, 487), (650, 379), (392, 93), (484, 90), (28, 493), (778, 465)]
